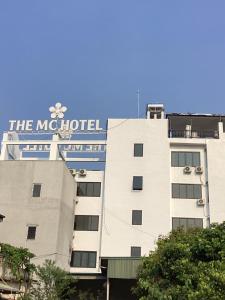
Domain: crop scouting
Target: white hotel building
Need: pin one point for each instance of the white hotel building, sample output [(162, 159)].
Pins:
[(161, 172)]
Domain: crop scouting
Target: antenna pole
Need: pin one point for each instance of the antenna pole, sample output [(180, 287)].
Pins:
[(138, 102)]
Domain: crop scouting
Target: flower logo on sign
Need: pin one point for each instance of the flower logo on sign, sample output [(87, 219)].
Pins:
[(57, 111)]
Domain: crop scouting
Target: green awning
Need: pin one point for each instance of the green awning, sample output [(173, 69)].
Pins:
[(123, 268)]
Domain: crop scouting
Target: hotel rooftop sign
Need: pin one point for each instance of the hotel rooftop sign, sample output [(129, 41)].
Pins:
[(63, 145), (52, 125), (57, 123)]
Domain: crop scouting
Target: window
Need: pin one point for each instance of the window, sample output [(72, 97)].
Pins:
[(186, 191), (138, 150), (83, 259), (137, 183), (135, 251), (36, 190), (187, 223), (182, 159), (89, 189), (31, 232), (86, 223), (136, 217)]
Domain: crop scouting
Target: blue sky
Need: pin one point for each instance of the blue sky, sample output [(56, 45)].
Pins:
[(93, 55)]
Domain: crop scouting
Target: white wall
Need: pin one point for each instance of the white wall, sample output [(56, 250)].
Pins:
[(216, 167), (154, 200)]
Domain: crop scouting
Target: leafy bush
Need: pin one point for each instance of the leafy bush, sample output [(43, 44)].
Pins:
[(52, 283), (186, 265)]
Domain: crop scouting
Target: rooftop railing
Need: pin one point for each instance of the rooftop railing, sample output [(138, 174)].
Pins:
[(213, 134)]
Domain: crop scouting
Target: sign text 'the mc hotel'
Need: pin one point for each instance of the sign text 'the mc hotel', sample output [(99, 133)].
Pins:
[(46, 125)]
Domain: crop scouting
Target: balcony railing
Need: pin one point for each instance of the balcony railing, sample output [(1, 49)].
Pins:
[(213, 134)]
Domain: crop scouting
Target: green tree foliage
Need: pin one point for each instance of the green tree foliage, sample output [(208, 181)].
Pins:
[(185, 266), (46, 282), (52, 283), (16, 262)]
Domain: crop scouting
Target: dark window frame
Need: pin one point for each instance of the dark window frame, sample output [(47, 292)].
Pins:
[(87, 224), (81, 264), (137, 184), (138, 149), (176, 159), (84, 189), (31, 232), (36, 193), (136, 217), (186, 188), (185, 221), (134, 250)]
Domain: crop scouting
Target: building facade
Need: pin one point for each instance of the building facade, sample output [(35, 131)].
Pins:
[(159, 173), (38, 199)]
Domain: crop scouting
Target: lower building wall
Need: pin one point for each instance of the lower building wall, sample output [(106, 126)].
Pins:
[(90, 289), (120, 289)]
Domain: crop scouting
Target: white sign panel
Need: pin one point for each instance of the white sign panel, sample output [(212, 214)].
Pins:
[(66, 148), (53, 125)]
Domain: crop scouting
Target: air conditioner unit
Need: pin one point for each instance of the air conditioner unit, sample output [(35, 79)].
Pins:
[(73, 172), (194, 134), (82, 172), (200, 202), (187, 170), (216, 134), (198, 170)]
